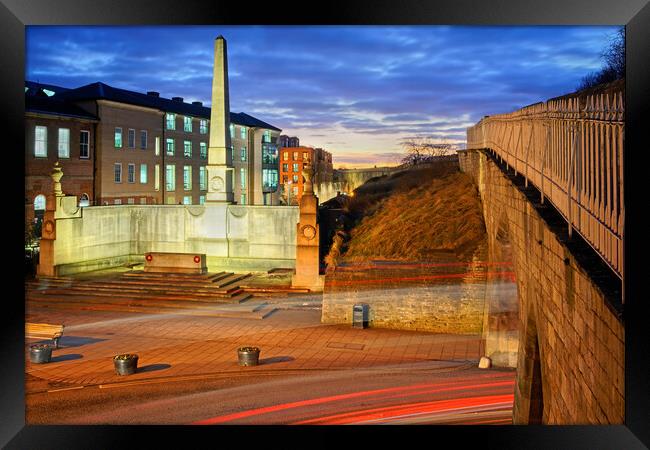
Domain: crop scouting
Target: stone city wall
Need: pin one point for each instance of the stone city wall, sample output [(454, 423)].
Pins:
[(570, 366), (408, 297), (233, 237)]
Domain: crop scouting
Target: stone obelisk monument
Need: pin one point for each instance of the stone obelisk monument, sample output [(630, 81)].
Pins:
[(220, 168)]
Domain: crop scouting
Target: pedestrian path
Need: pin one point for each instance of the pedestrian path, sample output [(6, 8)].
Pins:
[(193, 326)]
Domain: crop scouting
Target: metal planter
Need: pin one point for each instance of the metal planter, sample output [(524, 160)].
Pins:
[(248, 356), (40, 354), (126, 366)]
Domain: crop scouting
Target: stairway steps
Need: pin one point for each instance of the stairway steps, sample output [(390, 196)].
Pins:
[(150, 302), (138, 295), (157, 310), (166, 278), (136, 288)]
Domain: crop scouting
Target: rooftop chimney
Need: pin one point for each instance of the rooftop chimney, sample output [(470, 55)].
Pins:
[(153, 93), (197, 103), (177, 99)]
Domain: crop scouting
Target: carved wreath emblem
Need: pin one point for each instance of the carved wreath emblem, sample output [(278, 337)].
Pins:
[(217, 184), (309, 232), (48, 226)]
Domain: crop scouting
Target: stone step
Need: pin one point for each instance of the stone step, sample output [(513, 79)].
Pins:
[(151, 288), (125, 293), (237, 297), (184, 278), (88, 299), (231, 279), (204, 312)]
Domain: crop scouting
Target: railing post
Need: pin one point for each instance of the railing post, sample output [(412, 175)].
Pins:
[(572, 162), (541, 182)]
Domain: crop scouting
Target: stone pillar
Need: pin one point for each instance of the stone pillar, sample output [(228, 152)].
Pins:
[(307, 238), (46, 265), (220, 168)]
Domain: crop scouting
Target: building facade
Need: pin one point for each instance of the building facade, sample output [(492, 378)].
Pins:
[(57, 132), (151, 150), (292, 161), (289, 141)]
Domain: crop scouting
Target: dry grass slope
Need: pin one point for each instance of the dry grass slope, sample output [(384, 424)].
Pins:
[(416, 215)]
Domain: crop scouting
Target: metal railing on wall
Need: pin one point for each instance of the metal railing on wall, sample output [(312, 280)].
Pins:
[(571, 150)]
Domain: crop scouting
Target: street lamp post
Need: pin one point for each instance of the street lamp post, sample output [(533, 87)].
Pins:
[(289, 193)]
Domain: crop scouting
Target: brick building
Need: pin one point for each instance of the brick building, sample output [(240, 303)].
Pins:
[(292, 160), (56, 131), (148, 150)]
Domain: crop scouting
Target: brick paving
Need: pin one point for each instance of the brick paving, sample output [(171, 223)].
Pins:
[(171, 345)]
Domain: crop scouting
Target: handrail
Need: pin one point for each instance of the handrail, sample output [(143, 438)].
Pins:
[(575, 159)]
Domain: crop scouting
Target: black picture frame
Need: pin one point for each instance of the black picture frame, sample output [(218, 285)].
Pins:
[(635, 14)]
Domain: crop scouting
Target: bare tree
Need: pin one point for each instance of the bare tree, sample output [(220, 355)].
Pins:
[(423, 149), (614, 68)]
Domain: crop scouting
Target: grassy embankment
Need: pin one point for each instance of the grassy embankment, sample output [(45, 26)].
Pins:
[(413, 216)]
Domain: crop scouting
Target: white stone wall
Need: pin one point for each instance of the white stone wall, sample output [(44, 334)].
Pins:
[(245, 237)]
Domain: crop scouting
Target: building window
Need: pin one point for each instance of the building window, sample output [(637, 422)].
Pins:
[(143, 139), (157, 146), (203, 149), (187, 200), (187, 124), (143, 200), (156, 177), (84, 144), (295, 156), (170, 147), (305, 156), (201, 199), (203, 185), (39, 203), (203, 126), (131, 173), (285, 167), (131, 138), (269, 154), (295, 190), (118, 137), (117, 169), (242, 131), (40, 141), (130, 200), (171, 200), (266, 137), (64, 142), (270, 179), (242, 177), (187, 149), (295, 178), (285, 178), (84, 200), (286, 156), (243, 154), (232, 130), (143, 174), (170, 121), (170, 177), (187, 178), (295, 167), (243, 199), (118, 201)]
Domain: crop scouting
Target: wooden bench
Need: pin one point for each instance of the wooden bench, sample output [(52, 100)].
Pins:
[(44, 331)]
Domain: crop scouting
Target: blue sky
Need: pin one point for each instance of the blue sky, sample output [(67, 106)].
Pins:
[(357, 91)]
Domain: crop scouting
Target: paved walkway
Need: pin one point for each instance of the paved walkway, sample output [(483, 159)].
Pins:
[(175, 345)]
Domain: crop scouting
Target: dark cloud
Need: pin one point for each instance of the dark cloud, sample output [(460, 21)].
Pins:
[(361, 81)]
